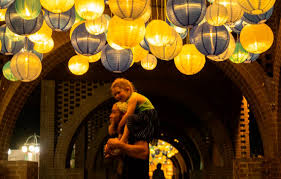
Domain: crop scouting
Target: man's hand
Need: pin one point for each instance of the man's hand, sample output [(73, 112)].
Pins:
[(113, 143)]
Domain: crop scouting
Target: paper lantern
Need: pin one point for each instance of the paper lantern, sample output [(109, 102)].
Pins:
[(60, 21), (85, 43), (26, 66), (74, 27), (149, 62), (147, 14), (78, 18), (89, 9), (8, 73), (116, 61), (28, 9), (42, 35), (21, 26), (239, 55), (237, 26), (186, 13), (256, 38), (159, 33), (252, 57), (94, 58), (144, 44), (126, 34), (44, 46), (98, 25), (216, 15), (256, 19), (2, 14), (211, 40), (256, 6), (139, 53), (190, 61), (5, 3), (57, 6), (181, 31), (129, 9), (78, 64), (234, 11)]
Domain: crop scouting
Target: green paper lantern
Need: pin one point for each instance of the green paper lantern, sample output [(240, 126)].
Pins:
[(8, 73), (28, 9), (239, 55)]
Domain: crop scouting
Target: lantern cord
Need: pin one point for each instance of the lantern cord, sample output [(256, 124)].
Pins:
[(156, 10), (25, 43), (187, 37), (165, 9), (162, 15)]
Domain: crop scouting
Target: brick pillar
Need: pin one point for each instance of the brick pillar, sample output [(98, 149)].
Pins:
[(80, 149), (47, 127)]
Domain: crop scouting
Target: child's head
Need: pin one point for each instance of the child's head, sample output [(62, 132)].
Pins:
[(122, 89), (117, 112)]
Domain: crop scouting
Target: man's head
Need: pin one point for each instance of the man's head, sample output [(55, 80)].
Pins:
[(159, 166), (117, 112)]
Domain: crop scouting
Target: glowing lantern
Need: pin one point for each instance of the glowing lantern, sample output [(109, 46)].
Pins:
[(216, 15), (8, 73), (89, 9), (94, 58), (211, 40), (42, 34), (185, 13), (190, 61), (256, 6), (98, 25), (26, 66), (44, 46), (181, 31), (57, 6), (5, 3), (234, 11), (129, 9), (28, 9), (78, 18), (239, 55), (139, 53), (237, 26), (159, 33), (2, 14), (144, 44), (116, 61), (60, 21), (149, 62), (74, 27), (252, 57), (78, 64), (256, 19), (256, 38), (146, 15)]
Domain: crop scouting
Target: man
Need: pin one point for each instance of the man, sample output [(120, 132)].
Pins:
[(158, 173)]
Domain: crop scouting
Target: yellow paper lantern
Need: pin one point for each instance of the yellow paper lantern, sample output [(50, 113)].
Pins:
[(256, 6), (94, 58), (89, 9), (57, 6), (146, 15), (126, 34), (234, 11), (216, 15), (190, 61), (256, 38), (159, 33), (2, 14), (42, 34), (149, 62), (44, 46), (74, 27), (139, 53), (78, 64), (97, 26)]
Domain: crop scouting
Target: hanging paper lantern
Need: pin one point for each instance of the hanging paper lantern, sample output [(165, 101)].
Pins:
[(256, 19), (28, 9), (21, 26), (26, 66), (2, 14), (252, 57), (190, 61), (181, 31), (139, 53), (78, 18), (57, 6), (144, 44), (5, 3), (129, 9), (239, 55), (78, 64), (74, 27), (211, 40), (42, 35), (60, 21), (256, 38), (8, 73), (116, 61), (89, 9), (159, 33), (216, 15), (147, 14), (186, 13), (94, 58), (85, 43), (149, 62), (98, 25), (234, 11), (44, 46), (237, 26), (167, 52), (126, 34), (256, 6)]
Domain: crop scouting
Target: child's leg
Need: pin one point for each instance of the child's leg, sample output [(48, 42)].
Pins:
[(125, 135)]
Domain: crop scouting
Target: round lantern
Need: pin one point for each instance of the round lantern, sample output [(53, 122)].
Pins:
[(211, 40), (147, 14), (256, 6), (234, 11), (227, 53), (85, 43), (129, 9), (252, 57), (256, 19), (256, 38), (116, 61), (8, 73), (21, 26), (237, 26), (26, 66), (89, 9), (239, 55), (149, 62), (5, 3), (98, 25), (78, 18), (2, 14), (139, 53), (28, 9), (159, 33), (126, 34), (44, 46), (216, 15), (78, 64), (144, 44), (60, 21), (57, 6), (190, 61), (94, 58), (44, 33), (186, 13), (181, 31), (74, 27), (167, 52)]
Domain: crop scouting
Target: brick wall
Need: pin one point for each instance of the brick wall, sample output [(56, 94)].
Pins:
[(18, 170)]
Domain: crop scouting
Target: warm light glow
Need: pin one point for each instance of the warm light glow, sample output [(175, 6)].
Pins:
[(9, 152), (31, 148), (94, 58), (139, 53), (44, 47), (89, 10), (2, 14), (57, 6), (24, 149), (234, 11), (8, 73), (37, 149), (78, 64), (216, 15), (41, 36), (239, 55), (256, 6), (98, 25), (74, 27), (146, 15), (28, 9), (149, 62)]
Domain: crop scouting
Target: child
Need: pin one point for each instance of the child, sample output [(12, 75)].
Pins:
[(140, 120)]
